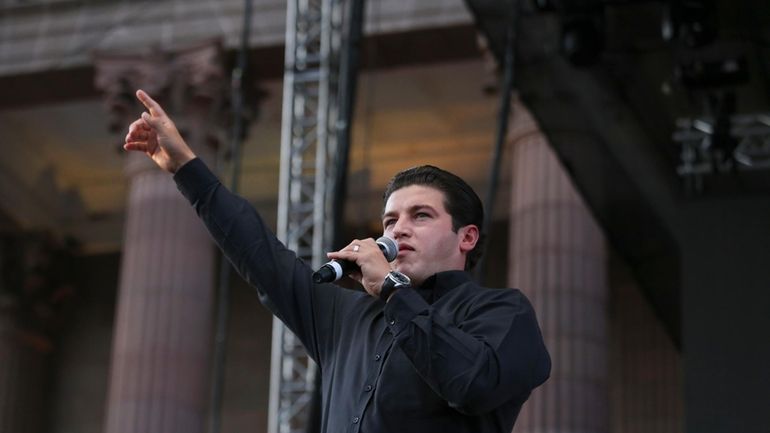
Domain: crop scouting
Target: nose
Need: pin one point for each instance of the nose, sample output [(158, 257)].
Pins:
[(401, 228)]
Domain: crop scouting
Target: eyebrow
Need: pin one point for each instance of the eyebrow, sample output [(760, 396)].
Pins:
[(411, 209)]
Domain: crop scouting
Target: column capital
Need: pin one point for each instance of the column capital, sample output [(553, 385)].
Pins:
[(190, 83), (118, 76), (200, 70), (198, 95)]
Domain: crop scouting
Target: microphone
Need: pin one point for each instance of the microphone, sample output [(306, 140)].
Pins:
[(336, 269)]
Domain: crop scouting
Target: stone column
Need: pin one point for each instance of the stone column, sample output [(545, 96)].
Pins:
[(23, 372), (162, 341), (558, 258), (646, 390), (37, 281)]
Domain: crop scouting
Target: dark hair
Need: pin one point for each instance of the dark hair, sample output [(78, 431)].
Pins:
[(461, 202)]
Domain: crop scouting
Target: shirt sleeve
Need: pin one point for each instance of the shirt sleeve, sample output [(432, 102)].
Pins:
[(478, 357), (283, 281)]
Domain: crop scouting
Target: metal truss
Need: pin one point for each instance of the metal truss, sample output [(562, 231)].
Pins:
[(313, 38), (746, 147)]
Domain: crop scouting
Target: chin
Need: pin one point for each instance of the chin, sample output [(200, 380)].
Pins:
[(404, 268)]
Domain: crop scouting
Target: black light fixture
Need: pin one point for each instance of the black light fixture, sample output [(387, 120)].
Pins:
[(693, 22), (544, 5), (582, 39), (728, 71)]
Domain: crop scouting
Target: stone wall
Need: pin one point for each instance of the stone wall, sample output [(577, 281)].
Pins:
[(65, 34)]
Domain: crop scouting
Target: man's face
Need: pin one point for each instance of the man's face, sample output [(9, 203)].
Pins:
[(416, 217)]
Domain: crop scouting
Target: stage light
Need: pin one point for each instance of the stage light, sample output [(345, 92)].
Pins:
[(544, 5), (582, 41), (712, 146), (724, 72), (692, 22)]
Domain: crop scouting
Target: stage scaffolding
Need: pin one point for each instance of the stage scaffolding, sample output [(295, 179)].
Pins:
[(308, 144)]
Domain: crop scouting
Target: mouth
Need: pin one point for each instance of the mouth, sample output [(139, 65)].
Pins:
[(403, 249)]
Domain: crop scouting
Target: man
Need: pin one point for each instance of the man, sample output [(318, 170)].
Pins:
[(424, 349)]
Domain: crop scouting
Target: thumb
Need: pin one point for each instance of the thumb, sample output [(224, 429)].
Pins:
[(154, 122), (158, 122)]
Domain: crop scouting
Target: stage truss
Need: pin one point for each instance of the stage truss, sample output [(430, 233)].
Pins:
[(313, 39)]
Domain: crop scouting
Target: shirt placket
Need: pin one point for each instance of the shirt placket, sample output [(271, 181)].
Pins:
[(376, 362)]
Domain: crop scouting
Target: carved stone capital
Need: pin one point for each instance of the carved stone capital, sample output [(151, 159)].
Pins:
[(119, 76), (200, 69), (190, 83), (199, 94)]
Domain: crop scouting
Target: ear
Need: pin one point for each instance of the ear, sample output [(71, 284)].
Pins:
[(469, 236)]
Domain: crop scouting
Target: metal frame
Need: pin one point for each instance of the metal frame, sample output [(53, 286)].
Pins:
[(313, 36), (700, 157)]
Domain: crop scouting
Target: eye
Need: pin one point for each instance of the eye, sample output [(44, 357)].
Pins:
[(388, 222), (421, 215)]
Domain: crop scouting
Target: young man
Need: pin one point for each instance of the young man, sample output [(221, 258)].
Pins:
[(425, 349)]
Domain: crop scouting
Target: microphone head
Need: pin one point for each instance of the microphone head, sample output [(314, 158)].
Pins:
[(389, 247)]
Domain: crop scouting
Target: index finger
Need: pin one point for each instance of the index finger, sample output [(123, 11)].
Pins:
[(355, 249), (149, 103)]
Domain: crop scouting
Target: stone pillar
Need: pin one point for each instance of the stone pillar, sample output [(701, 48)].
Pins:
[(37, 281), (558, 258), (162, 340), (646, 390), (23, 372)]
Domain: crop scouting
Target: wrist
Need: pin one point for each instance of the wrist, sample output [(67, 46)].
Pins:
[(393, 282), (182, 161)]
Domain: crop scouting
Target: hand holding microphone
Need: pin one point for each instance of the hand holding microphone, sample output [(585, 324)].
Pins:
[(339, 267)]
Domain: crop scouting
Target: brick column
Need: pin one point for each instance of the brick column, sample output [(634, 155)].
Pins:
[(162, 341), (558, 259)]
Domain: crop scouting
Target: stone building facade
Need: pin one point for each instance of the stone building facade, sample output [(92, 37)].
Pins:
[(136, 355)]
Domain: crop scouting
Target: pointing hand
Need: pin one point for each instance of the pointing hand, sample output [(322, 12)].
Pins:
[(155, 134)]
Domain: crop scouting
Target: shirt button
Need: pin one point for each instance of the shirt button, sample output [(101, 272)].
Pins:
[(377, 357), (355, 420), (368, 388), (392, 322)]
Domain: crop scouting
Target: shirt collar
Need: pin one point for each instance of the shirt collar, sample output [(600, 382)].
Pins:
[(439, 284)]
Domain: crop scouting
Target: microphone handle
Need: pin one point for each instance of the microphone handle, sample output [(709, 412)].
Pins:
[(333, 271), (336, 269)]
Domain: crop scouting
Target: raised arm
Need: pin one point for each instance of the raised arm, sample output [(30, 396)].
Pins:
[(282, 280)]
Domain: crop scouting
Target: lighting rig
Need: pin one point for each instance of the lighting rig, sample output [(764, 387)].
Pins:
[(720, 142), (710, 146)]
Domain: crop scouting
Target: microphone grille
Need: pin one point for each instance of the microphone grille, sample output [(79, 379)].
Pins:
[(389, 247)]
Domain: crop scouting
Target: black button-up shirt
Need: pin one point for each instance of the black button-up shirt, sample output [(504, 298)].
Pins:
[(450, 356)]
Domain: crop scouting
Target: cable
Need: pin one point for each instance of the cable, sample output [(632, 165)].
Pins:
[(225, 269), (502, 131)]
